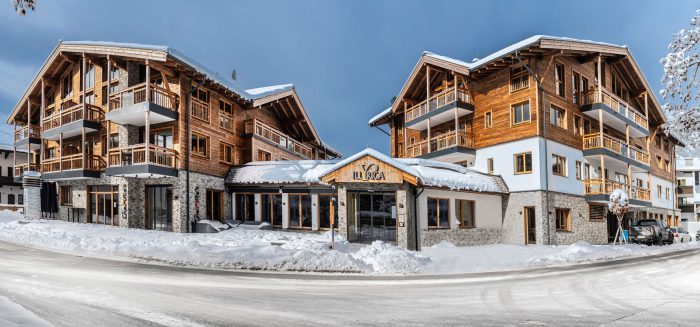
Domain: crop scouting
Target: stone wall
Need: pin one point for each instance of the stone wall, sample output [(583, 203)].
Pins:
[(462, 236)]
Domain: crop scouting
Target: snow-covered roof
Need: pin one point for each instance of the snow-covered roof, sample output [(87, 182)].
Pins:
[(379, 116), (264, 91), (430, 173)]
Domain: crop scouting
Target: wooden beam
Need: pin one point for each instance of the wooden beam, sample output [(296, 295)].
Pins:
[(587, 58)]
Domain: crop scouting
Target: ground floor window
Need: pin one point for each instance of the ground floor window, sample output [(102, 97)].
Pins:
[(10, 199), (245, 207), (103, 201), (327, 211), (299, 210), (438, 213), (66, 194), (20, 199), (271, 206), (465, 213), (563, 218), (215, 205)]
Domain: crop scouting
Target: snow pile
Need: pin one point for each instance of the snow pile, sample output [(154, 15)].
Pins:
[(13, 314), (619, 202), (389, 259)]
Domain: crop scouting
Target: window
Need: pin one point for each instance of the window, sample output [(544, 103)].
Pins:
[(578, 127), (578, 170), (667, 166), (225, 115), (575, 87), (488, 119), (465, 213), (563, 217), (657, 141), (559, 165), (523, 163), (226, 152), (215, 205), (602, 70), (271, 206), (264, 155), (200, 105), (20, 199), (66, 193), (559, 79), (587, 171), (202, 95), (299, 211), (668, 193), (9, 172), (327, 210), (659, 162), (90, 77), (489, 165), (67, 86), (438, 213), (245, 207), (658, 191), (667, 148), (225, 107), (520, 113), (519, 78), (200, 145), (586, 127), (103, 204), (557, 117), (10, 199)]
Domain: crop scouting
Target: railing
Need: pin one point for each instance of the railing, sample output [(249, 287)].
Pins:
[(226, 121), (21, 168), (136, 155), (137, 94), (606, 186), (200, 109), (73, 113), (592, 141), (615, 103), (258, 128), (27, 131), (440, 142), (437, 101), (73, 162)]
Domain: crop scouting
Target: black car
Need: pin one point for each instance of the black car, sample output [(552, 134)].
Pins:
[(651, 231)]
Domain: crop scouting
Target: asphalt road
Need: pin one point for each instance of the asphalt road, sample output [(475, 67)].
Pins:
[(69, 290)]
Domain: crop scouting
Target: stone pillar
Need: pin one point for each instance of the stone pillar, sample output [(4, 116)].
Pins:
[(406, 219), (343, 212), (31, 183)]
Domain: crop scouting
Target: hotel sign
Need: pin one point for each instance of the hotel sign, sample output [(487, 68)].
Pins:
[(366, 169), (368, 172)]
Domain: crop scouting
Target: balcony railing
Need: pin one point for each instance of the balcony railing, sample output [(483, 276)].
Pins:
[(592, 141), (200, 109), (269, 133), (27, 131), (136, 155), (605, 186), (226, 121), (612, 101), (137, 94), (73, 113), (437, 101), (73, 162), (437, 143), (21, 168)]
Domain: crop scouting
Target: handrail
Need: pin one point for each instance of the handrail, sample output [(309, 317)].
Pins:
[(136, 155), (606, 186), (439, 142), (614, 102), (436, 101), (137, 94), (21, 168), (592, 141), (73, 162), (71, 114), (226, 121), (254, 126), (27, 131), (200, 109)]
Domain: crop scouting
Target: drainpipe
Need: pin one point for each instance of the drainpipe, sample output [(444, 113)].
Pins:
[(188, 148), (415, 216), (546, 151)]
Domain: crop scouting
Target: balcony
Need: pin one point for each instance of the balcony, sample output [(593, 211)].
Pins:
[(28, 136), (132, 161), (21, 168), (68, 122), (439, 109), (616, 113), (444, 147), (615, 149), (599, 189), (271, 135), (129, 106), (71, 167), (200, 109)]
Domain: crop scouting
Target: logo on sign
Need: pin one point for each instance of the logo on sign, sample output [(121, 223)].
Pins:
[(369, 172)]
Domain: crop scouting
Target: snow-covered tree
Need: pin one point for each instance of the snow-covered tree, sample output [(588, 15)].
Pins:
[(21, 6), (619, 204), (681, 89)]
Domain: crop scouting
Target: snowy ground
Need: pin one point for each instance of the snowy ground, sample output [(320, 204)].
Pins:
[(13, 314), (288, 251)]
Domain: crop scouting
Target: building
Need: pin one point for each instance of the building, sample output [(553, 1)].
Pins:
[(688, 185), (143, 136), (562, 121), (11, 166)]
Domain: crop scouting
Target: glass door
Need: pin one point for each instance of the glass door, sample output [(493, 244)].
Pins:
[(530, 225), (376, 217), (159, 207)]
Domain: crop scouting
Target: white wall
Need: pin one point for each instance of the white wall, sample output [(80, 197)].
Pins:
[(564, 184), (662, 202), (6, 190), (503, 163), (487, 207)]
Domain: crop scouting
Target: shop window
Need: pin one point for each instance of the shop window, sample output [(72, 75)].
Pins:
[(245, 207), (271, 208), (299, 211), (327, 209), (438, 213), (465, 213), (563, 217)]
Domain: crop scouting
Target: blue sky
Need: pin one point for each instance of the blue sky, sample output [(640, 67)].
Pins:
[(346, 58)]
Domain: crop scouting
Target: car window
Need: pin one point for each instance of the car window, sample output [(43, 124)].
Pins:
[(647, 223), (681, 230), (673, 230)]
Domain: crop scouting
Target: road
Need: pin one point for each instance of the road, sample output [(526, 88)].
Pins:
[(69, 290)]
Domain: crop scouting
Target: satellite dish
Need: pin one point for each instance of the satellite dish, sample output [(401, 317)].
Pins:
[(233, 75)]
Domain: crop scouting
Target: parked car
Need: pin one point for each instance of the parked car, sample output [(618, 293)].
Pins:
[(651, 231), (697, 236), (680, 235)]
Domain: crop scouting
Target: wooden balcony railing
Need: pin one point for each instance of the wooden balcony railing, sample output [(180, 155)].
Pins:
[(137, 94), (269, 133), (592, 141), (226, 121), (136, 155), (440, 142), (615, 103), (605, 186), (200, 109), (21, 168), (73, 162), (27, 131), (437, 101), (73, 113)]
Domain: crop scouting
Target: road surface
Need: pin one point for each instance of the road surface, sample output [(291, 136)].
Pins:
[(69, 290)]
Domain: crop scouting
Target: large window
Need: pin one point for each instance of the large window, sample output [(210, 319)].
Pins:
[(327, 209), (559, 79), (523, 163), (559, 165), (271, 208), (519, 78), (245, 207), (465, 213), (103, 201), (215, 205), (520, 113), (438, 213), (557, 117), (563, 217), (299, 211), (200, 145), (226, 152)]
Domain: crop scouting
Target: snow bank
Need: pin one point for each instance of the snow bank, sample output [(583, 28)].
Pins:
[(13, 314)]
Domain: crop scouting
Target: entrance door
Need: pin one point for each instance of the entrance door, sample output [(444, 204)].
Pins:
[(530, 225), (159, 207), (376, 217), (215, 203)]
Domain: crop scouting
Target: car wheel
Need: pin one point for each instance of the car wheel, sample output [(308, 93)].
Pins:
[(660, 239)]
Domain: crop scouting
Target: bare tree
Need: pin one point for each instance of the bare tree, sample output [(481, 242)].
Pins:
[(21, 6)]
